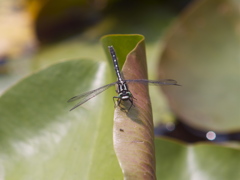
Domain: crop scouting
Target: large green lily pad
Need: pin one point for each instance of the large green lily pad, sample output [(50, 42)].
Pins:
[(176, 160), (202, 54), (41, 139)]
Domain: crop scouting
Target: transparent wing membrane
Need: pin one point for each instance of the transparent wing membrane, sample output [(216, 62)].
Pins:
[(89, 95), (153, 82)]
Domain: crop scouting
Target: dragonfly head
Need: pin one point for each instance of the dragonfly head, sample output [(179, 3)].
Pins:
[(125, 95)]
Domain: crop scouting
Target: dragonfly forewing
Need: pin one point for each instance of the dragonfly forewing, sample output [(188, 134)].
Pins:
[(153, 82), (84, 97)]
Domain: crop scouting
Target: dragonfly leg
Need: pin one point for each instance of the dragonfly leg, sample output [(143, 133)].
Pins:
[(119, 100), (131, 101), (115, 97)]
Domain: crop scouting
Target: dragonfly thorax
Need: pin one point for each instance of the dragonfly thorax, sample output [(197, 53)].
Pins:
[(123, 92), (122, 86)]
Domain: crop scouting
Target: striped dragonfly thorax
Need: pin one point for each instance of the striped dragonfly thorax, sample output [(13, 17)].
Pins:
[(123, 92)]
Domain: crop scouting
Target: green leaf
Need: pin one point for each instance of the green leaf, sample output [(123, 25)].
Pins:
[(133, 129), (176, 160), (41, 139), (122, 43), (202, 54)]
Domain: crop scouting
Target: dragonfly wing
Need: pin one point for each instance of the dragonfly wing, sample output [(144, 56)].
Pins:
[(89, 95), (153, 82)]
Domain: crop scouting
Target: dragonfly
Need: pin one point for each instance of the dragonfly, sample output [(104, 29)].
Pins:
[(123, 91)]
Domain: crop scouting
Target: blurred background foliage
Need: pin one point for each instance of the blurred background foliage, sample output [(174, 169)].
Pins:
[(195, 42)]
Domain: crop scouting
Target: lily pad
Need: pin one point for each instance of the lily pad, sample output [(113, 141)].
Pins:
[(41, 139), (176, 160), (202, 54)]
